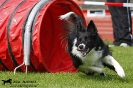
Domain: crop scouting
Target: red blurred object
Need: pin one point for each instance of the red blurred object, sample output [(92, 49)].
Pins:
[(47, 51)]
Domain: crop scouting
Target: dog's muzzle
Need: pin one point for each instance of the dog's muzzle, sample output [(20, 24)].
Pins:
[(81, 46), (82, 49)]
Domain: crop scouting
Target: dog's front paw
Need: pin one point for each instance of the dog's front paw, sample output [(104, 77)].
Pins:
[(120, 72)]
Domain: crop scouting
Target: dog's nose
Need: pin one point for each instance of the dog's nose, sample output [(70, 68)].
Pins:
[(81, 46)]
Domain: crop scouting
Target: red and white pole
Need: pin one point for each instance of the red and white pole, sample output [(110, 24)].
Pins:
[(105, 3)]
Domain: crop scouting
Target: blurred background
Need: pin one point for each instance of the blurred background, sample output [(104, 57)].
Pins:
[(101, 17), (97, 7)]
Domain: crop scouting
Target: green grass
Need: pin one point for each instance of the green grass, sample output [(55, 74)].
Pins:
[(77, 80)]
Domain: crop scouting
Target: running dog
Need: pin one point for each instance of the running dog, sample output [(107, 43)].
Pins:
[(88, 51)]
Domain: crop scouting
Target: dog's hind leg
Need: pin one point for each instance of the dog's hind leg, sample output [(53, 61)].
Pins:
[(111, 63), (91, 69)]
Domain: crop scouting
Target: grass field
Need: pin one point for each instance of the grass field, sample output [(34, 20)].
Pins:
[(76, 80)]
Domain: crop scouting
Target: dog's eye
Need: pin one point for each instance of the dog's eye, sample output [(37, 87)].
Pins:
[(79, 39), (86, 38)]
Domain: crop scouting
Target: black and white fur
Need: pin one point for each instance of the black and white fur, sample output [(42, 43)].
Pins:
[(88, 51)]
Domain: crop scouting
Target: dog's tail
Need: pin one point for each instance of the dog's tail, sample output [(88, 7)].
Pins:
[(71, 20), (68, 24), (69, 16)]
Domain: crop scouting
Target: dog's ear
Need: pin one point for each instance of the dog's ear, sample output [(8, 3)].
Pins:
[(79, 26), (92, 28)]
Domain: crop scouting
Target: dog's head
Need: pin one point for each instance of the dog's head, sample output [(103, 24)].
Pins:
[(86, 37)]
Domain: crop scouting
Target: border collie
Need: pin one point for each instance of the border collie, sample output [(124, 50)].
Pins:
[(88, 51)]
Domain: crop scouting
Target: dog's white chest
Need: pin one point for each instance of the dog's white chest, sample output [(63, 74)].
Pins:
[(92, 58)]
